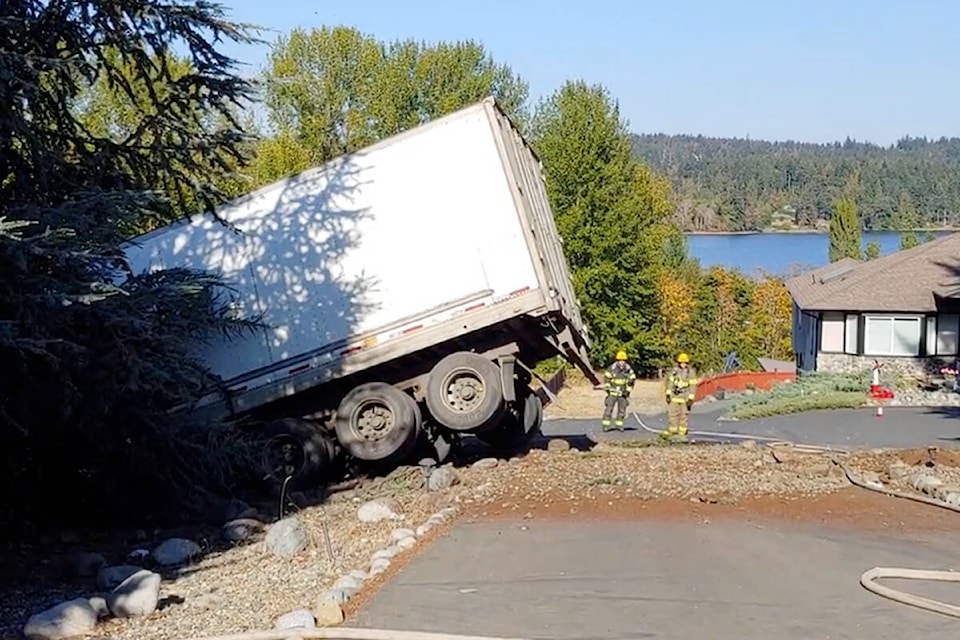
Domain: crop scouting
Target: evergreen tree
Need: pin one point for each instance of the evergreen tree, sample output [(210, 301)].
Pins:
[(844, 231)]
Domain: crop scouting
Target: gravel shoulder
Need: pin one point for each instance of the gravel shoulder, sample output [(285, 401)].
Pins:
[(246, 586)]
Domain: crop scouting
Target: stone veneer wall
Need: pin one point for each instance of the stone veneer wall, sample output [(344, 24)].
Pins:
[(914, 367)]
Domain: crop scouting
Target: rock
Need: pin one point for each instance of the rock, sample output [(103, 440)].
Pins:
[(558, 445), (299, 619), (485, 463), (337, 596), (872, 479), (241, 529), (65, 620), (442, 478), (347, 582), (897, 470), (379, 565), (286, 538), (136, 596), (357, 574), (748, 444), (399, 534), (926, 483), (327, 614), (85, 565), (110, 578), (175, 551), (236, 509), (138, 555), (99, 605), (424, 529), (387, 553), (379, 509), (407, 543)]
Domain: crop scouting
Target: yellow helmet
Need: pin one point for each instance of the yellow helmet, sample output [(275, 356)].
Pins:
[(621, 355), (683, 358)]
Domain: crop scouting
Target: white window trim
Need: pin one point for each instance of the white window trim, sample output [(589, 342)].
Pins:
[(869, 319)]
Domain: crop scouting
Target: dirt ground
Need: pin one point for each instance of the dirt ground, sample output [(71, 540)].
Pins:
[(242, 587), (578, 399)]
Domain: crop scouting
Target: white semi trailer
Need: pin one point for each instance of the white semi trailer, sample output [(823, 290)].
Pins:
[(407, 289)]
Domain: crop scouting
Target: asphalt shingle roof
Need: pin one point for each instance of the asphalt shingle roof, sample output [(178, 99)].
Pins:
[(911, 280)]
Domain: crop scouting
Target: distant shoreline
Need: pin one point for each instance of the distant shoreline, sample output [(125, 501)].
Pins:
[(812, 232)]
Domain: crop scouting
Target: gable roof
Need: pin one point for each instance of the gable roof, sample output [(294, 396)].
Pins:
[(919, 279)]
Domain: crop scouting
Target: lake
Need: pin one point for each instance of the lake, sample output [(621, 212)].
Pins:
[(776, 253)]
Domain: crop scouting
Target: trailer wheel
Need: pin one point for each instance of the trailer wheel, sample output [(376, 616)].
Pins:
[(517, 430), (297, 449), (464, 392), (377, 422)]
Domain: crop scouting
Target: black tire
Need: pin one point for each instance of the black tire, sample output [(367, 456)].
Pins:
[(517, 430), (456, 376), (298, 449), (359, 423)]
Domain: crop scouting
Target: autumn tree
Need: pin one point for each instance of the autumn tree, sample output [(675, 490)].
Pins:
[(334, 90), (844, 231), (611, 212), (94, 356), (769, 320), (677, 309)]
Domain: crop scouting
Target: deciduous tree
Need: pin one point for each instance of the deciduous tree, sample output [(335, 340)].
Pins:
[(334, 90)]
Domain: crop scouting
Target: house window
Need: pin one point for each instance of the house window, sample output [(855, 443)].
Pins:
[(892, 335), (853, 321), (947, 330), (832, 330)]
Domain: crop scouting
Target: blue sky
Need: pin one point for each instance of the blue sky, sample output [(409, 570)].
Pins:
[(809, 70)]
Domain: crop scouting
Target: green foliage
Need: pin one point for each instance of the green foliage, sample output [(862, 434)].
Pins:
[(611, 213), (844, 231), (711, 313), (94, 356), (908, 240), (872, 250), (809, 392), (736, 185), (334, 90)]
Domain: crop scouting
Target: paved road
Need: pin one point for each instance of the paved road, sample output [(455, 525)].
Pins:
[(577, 580), (899, 427)]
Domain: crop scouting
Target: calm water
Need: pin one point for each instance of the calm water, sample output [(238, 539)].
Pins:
[(775, 253)]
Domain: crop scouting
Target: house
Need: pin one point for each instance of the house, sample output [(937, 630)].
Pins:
[(902, 310)]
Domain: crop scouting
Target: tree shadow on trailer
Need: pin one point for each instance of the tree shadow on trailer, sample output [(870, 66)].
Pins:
[(288, 253)]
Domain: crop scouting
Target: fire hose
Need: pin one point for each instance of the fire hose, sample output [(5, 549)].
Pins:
[(869, 578)]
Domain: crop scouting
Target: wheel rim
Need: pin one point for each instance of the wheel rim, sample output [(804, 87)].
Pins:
[(283, 456), (372, 420), (463, 390)]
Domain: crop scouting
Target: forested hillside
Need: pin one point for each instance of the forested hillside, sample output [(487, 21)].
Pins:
[(724, 184)]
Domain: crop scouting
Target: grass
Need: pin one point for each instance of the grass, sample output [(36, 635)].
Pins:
[(810, 392)]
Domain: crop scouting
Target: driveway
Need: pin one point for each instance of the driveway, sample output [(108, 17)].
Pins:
[(661, 579), (899, 427)]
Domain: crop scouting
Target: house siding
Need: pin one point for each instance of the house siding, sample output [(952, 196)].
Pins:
[(805, 339)]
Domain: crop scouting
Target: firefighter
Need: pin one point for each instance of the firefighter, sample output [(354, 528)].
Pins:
[(680, 391), (620, 379)]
